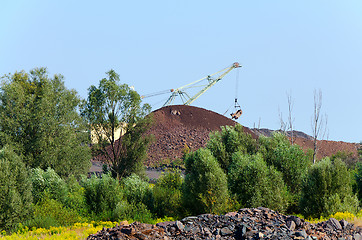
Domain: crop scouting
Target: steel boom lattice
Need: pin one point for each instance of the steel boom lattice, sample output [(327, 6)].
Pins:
[(211, 82)]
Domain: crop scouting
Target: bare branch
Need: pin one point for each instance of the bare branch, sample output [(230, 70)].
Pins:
[(319, 122)]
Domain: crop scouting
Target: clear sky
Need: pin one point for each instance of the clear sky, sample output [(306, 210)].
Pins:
[(283, 46)]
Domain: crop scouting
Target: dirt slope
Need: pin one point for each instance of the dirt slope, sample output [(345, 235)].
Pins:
[(180, 125)]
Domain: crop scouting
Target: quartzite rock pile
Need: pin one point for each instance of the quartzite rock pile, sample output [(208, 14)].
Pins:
[(256, 223)]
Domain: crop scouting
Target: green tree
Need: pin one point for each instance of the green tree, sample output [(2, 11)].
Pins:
[(39, 116), (327, 189), (102, 194), (48, 183), (112, 106), (255, 184), (290, 160), (205, 188), (15, 190), (229, 140), (167, 194)]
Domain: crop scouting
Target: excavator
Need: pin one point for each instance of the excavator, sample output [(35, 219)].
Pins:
[(211, 80)]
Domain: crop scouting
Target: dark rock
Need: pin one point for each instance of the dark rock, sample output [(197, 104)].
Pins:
[(301, 234), (225, 231), (251, 223), (343, 223), (334, 223), (179, 225), (291, 225), (357, 236)]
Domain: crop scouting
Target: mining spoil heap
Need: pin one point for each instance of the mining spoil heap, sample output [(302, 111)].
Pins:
[(178, 126), (175, 127)]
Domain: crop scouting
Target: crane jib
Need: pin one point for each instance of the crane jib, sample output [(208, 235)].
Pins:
[(211, 82)]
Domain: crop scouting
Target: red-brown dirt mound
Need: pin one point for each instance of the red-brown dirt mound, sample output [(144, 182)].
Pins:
[(179, 125), (176, 126), (325, 148), (329, 148)]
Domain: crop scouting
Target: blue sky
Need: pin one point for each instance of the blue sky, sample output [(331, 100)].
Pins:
[(283, 46)]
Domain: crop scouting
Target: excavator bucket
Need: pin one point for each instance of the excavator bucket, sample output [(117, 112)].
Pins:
[(237, 114)]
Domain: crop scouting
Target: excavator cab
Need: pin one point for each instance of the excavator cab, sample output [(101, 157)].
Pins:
[(238, 112)]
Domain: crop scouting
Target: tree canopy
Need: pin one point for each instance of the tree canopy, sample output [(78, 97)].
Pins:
[(112, 106), (39, 116)]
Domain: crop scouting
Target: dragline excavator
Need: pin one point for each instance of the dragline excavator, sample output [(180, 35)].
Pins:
[(210, 80)]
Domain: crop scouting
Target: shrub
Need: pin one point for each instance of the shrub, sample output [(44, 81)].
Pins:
[(48, 182), (205, 189), (131, 211), (286, 158), (358, 181), (256, 184), (137, 191), (229, 140), (15, 188), (52, 213), (75, 196), (327, 189), (167, 194), (101, 194), (346, 157)]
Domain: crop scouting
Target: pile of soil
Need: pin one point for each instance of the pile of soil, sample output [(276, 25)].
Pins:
[(178, 126), (247, 223)]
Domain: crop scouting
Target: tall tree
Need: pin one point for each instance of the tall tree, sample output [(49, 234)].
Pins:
[(112, 106), (39, 115)]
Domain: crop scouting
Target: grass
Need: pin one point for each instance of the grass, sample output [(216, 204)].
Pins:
[(350, 217), (78, 231)]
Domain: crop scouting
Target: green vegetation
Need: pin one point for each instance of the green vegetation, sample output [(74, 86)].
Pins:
[(205, 187), (327, 189), (15, 190), (256, 184), (113, 106), (167, 194), (39, 117), (45, 153)]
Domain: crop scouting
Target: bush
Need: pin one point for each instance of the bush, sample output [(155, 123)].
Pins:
[(75, 197), (52, 213), (205, 189), (167, 194), (327, 189), (48, 182), (102, 194), (346, 157), (137, 191), (358, 181), (15, 188), (229, 140), (286, 158), (131, 211), (255, 184)]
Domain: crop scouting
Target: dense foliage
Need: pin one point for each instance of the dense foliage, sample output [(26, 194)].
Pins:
[(205, 188), (229, 140), (112, 107), (256, 184), (39, 117), (44, 152), (15, 189), (327, 189), (167, 194)]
